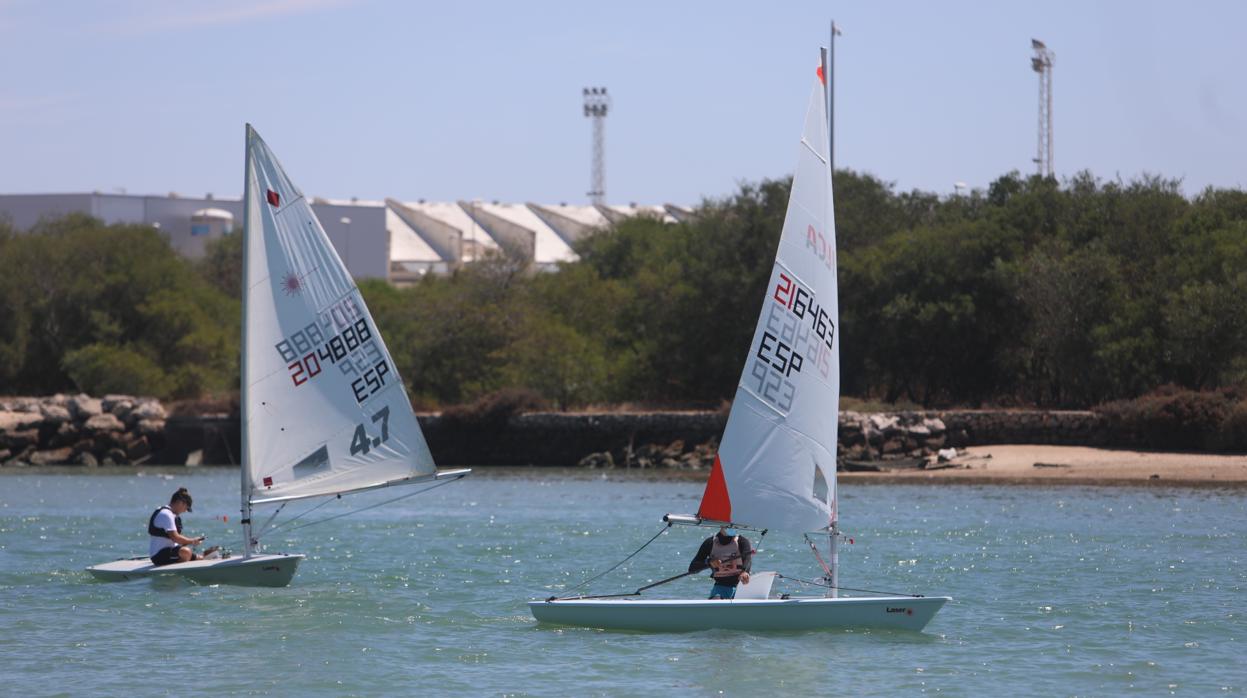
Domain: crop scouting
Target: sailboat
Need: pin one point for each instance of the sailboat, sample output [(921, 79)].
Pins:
[(776, 465), (324, 411)]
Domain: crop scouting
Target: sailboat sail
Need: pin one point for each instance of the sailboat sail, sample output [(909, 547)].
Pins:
[(326, 411), (776, 467)]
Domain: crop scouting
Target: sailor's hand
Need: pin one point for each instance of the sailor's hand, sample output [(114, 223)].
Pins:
[(714, 564), (199, 540), (744, 577)]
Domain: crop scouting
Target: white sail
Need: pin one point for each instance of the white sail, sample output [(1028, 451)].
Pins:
[(326, 411), (776, 467)]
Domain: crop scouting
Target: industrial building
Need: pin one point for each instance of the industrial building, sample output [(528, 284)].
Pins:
[(400, 241)]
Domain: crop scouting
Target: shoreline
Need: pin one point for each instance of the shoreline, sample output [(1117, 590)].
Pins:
[(1006, 464), (1033, 464)]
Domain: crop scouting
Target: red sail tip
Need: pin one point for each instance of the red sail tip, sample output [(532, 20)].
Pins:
[(819, 71), (273, 198), (716, 505)]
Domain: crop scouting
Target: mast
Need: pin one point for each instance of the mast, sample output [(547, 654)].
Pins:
[(246, 283), (833, 533)]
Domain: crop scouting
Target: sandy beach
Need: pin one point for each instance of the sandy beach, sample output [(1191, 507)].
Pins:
[(1075, 465)]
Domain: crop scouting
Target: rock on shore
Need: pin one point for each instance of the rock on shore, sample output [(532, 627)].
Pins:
[(119, 429), (890, 440), (80, 429)]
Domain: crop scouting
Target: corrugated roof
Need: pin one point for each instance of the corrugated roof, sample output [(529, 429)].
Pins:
[(550, 246), (406, 245), (453, 215)]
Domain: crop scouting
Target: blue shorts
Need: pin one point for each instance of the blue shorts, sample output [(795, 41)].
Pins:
[(723, 591)]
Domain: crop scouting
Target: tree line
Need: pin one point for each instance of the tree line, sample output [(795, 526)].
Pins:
[(1030, 292)]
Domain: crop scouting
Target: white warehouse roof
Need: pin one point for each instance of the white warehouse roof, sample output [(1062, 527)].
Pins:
[(391, 239)]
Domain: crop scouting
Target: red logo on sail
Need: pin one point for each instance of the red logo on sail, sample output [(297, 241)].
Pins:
[(268, 482), (291, 284), (273, 198)]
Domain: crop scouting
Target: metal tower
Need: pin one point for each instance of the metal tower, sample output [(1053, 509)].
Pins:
[(596, 104), (1041, 63)]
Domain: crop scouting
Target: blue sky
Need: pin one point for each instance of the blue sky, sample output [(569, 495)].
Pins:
[(464, 100)]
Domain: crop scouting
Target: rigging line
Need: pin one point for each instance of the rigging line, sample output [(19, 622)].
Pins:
[(256, 536), (864, 591), (826, 569), (637, 592), (373, 506), (617, 564), (266, 530), (597, 596), (647, 586)]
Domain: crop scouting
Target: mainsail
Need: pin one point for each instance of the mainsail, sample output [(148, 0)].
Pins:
[(325, 410), (776, 467)]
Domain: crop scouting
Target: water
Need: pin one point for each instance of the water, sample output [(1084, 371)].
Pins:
[(1069, 591)]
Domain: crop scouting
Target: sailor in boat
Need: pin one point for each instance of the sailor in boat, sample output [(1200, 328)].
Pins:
[(168, 545), (729, 557)]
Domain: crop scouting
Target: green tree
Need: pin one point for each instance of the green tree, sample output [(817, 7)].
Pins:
[(81, 299)]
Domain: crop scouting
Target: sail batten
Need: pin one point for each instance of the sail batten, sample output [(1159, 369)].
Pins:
[(326, 411), (813, 152), (776, 467)]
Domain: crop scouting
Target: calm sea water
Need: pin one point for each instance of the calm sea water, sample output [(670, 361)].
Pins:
[(1058, 591)]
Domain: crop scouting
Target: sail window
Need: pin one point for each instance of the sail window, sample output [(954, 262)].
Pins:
[(820, 484), (318, 461)]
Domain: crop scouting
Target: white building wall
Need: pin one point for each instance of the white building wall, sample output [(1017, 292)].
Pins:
[(363, 243), (25, 210)]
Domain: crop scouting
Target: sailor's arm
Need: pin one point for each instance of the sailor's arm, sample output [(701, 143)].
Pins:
[(699, 562), (746, 559), (183, 540)]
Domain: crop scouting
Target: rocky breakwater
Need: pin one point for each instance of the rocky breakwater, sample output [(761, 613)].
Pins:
[(891, 437), (888, 440), (80, 430)]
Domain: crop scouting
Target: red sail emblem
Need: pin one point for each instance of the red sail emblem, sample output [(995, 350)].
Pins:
[(716, 505), (273, 198)]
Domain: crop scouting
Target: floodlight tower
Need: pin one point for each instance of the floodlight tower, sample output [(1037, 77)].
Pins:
[(596, 105), (1041, 62)]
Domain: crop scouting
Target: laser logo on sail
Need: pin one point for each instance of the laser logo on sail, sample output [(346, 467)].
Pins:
[(816, 243)]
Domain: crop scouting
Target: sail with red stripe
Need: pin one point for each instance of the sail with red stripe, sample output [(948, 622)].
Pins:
[(776, 467)]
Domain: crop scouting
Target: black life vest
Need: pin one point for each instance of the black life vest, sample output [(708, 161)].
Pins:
[(159, 532)]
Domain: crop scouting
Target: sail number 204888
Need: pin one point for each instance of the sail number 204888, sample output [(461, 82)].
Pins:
[(354, 350)]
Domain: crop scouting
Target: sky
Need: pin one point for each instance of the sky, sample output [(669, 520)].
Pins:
[(482, 100)]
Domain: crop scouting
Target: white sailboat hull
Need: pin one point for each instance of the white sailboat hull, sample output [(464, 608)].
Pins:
[(254, 571), (684, 615)]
